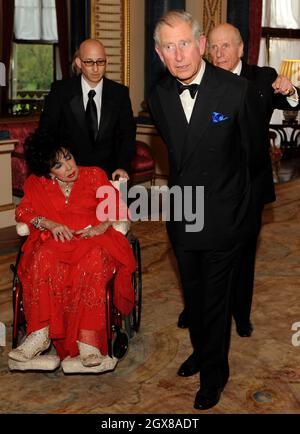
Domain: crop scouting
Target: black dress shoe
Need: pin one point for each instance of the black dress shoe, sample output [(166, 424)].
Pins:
[(189, 367), (183, 320), (207, 398), (244, 330)]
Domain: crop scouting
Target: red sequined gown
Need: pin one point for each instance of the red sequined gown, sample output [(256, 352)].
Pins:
[(64, 283)]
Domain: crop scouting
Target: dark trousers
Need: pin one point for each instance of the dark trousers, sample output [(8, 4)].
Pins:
[(206, 277), (243, 285)]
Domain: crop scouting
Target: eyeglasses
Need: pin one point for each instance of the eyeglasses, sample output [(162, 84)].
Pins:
[(90, 63)]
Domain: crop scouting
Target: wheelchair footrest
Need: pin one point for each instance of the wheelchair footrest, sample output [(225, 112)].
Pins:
[(73, 365), (38, 363)]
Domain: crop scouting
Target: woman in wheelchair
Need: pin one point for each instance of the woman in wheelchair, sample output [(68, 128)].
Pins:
[(69, 256)]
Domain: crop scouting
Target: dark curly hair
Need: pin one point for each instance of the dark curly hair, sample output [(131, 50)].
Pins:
[(41, 150)]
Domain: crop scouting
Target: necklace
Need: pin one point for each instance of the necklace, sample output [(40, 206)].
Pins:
[(66, 188)]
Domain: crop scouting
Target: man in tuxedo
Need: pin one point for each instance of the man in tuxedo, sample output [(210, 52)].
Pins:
[(93, 114), (208, 119), (225, 47), (276, 92)]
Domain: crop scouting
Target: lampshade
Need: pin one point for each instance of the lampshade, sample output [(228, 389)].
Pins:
[(291, 69)]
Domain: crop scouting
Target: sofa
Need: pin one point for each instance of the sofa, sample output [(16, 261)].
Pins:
[(19, 129)]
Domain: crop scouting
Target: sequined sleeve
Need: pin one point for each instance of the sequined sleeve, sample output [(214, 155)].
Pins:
[(25, 212)]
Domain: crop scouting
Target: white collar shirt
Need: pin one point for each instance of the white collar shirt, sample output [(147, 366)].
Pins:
[(187, 101), (238, 69), (97, 98)]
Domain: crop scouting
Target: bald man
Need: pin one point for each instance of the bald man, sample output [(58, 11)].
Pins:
[(225, 48), (92, 114)]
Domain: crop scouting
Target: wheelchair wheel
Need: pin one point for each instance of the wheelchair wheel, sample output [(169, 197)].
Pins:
[(19, 322), (137, 285), (120, 344), (128, 325), (20, 337)]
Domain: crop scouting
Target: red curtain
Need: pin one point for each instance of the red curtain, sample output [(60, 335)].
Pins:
[(63, 40), (8, 8), (255, 13)]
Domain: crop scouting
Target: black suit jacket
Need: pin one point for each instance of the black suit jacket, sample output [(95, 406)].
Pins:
[(225, 157), (262, 78), (64, 115)]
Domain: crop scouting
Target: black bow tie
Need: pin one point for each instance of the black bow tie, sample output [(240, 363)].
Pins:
[(193, 88)]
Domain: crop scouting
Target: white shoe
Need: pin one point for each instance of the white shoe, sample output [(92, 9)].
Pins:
[(73, 365), (34, 344), (89, 355), (38, 363)]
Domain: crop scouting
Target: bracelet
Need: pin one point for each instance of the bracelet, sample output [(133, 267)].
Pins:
[(36, 222), (291, 92)]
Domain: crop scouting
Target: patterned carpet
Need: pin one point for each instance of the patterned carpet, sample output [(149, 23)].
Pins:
[(265, 369)]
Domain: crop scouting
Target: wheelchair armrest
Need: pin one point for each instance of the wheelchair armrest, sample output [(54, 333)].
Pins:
[(22, 229), (120, 226), (117, 183)]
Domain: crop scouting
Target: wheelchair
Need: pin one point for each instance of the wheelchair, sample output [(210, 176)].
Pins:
[(120, 328)]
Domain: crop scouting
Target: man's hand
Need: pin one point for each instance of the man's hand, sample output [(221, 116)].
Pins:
[(121, 173), (283, 85)]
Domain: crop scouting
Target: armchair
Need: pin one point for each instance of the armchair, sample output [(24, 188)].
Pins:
[(143, 164), (19, 130)]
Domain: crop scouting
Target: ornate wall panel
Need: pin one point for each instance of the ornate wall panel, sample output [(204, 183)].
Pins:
[(214, 12), (110, 25)]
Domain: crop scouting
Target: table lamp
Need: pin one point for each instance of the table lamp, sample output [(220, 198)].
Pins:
[(291, 69)]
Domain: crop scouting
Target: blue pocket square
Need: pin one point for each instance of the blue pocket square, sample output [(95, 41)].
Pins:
[(218, 117)]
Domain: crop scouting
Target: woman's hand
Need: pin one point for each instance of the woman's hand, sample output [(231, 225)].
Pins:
[(93, 231), (59, 231)]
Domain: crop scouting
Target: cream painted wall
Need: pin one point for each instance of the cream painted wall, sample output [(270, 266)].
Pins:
[(195, 7), (7, 208)]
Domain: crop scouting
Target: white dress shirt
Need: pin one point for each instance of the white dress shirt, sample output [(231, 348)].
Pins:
[(185, 97), (97, 98)]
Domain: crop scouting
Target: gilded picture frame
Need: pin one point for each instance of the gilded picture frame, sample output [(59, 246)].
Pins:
[(110, 24)]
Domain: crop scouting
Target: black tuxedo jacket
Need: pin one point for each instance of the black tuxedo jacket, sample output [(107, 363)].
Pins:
[(64, 115), (224, 156)]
